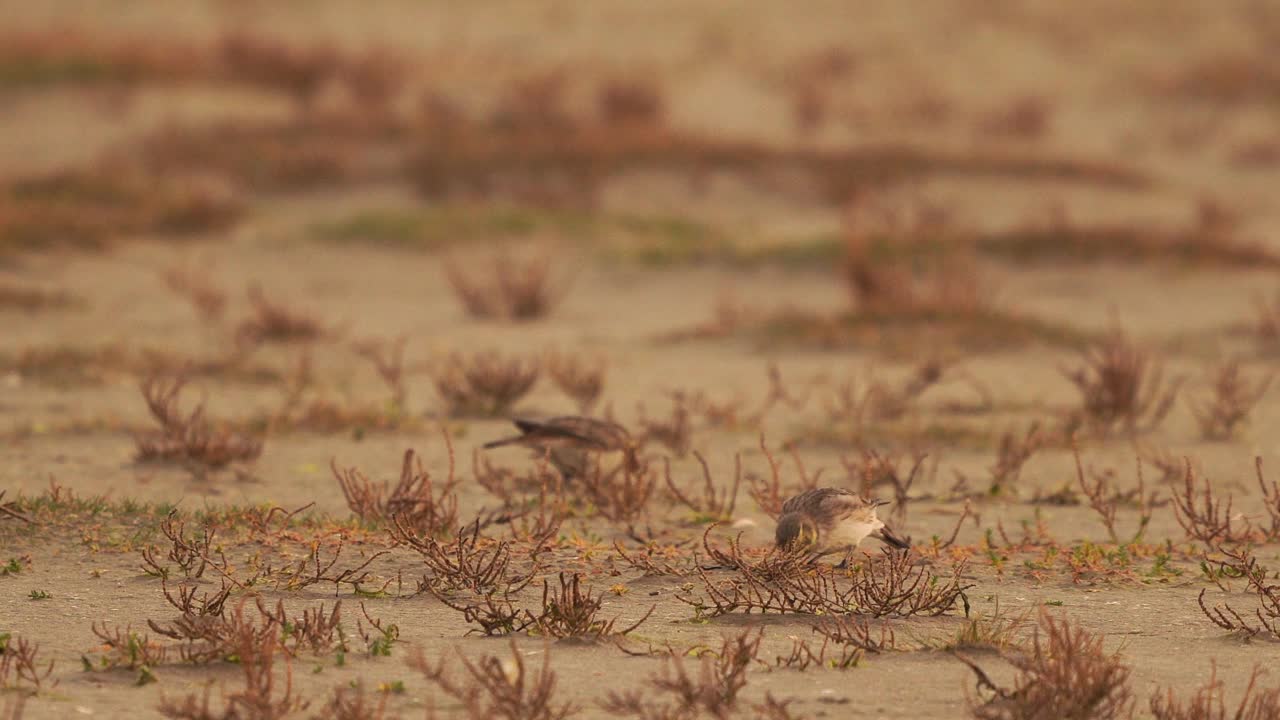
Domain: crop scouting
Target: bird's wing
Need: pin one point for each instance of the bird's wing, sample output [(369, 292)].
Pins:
[(552, 429)]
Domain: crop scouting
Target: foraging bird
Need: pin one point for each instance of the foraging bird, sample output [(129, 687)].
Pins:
[(831, 520), (570, 440)]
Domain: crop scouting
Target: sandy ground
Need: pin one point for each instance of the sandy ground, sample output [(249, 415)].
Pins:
[(725, 70)]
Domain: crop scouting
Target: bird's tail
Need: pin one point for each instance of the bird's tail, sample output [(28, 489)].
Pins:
[(503, 442)]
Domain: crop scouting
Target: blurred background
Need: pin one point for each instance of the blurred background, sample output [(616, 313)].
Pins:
[(894, 182)]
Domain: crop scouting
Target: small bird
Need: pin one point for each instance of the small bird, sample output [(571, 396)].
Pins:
[(831, 520), (570, 440)]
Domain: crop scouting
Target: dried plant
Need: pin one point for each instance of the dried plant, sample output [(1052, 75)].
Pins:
[(10, 510), (1204, 518), (570, 612), (188, 439), (803, 656), (190, 554), (14, 706), (721, 675), (1209, 702), (352, 702), (1270, 502), (1122, 384), (1240, 563), (622, 494), (769, 492), (275, 322), (414, 502), (127, 649), (787, 583), (255, 647), (1065, 675), (629, 103), (654, 560), (495, 688), (1234, 397), (884, 287), (856, 632), (579, 378), (518, 290), (1012, 454), (1267, 327), (675, 432), (1105, 500), (31, 299), (467, 562), (196, 287), (388, 361), (484, 384), (19, 664), (713, 505), (874, 469)]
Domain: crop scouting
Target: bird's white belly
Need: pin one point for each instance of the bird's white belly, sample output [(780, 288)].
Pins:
[(851, 532)]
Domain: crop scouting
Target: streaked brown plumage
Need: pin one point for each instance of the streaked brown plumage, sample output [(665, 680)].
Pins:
[(569, 440), (831, 520)]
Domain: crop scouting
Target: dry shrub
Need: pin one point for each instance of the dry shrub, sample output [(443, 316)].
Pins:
[(1267, 323), (533, 149), (1240, 563), (276, 322), (484, 384), (633, 102), (1209, 701), (187, 438), (783, 582), (1205, 518), (255, 648), (387, 359), (580, 378), (1122, 384), (498, 688), (294, 155), (888, 288), (1234, 397), (1105, 500), (570, 612), (1024, 118), (352, 702), (675, 432), (73, 55), (1065, 675), (10, 510), (712, 504), (31, 299), (196, 287), (372, 78), (881, 401), (20, 665), (622, 494), (713, 692), (415, 503), (298, 71), (92, 208), (469, 562), (519, 290), (874, 469), (1014, 451), (856, 632)]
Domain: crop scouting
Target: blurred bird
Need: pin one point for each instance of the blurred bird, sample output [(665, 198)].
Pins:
[(831, 520), (570, 441)]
